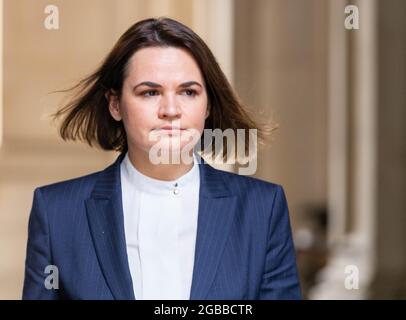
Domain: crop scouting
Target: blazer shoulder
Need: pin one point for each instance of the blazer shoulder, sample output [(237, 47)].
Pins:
[(81, 185), (248, 181), (247, 184)]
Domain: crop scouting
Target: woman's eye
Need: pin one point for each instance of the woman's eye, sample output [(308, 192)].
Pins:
[(190, 92), (150, 93)]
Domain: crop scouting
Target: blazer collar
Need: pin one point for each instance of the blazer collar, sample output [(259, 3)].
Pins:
[(217, 205)]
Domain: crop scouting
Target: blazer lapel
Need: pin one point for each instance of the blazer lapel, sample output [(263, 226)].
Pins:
[(217, 207), (105, 215)]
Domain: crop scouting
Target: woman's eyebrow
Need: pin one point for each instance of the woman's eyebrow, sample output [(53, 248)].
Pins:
[(190, 83), (148, 84), (157, 85)]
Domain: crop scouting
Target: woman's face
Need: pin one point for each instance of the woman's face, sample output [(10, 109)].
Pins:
[(163, 87)]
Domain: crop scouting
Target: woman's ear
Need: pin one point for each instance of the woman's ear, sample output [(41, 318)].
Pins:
[(207, 112), (114, 104)]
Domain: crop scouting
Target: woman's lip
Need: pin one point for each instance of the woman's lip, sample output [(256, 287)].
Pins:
[(171, 129)]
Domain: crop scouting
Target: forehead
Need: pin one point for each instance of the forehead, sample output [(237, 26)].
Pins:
[(163, 63)]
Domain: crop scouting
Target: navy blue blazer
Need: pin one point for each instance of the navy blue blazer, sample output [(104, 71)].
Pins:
[(244, 247)]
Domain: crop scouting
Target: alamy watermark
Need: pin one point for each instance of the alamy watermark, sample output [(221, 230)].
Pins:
[(51, 21), (351, 21), (52, 279), (221, 147), (351, 281)]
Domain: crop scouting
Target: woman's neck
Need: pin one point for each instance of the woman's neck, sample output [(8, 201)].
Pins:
[(167, 172)]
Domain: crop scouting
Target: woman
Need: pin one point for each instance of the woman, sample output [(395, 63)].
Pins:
[(146, 228)]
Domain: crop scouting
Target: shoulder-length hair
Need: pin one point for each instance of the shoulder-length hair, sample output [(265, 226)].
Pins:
[(86, 117)]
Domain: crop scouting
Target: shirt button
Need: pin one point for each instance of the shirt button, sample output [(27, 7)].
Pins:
[(175, 190)]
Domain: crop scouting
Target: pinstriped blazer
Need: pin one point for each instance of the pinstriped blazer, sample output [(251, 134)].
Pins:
[(244, 247)]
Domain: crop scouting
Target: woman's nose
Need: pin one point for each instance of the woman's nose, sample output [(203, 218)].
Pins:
[(169, 107)]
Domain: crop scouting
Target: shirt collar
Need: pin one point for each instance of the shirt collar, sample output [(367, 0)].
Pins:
[(156, 186)]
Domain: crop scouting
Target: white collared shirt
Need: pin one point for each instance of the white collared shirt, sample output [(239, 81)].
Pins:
[(160, 222)]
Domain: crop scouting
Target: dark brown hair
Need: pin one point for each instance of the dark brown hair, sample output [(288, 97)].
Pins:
[(87, 116)]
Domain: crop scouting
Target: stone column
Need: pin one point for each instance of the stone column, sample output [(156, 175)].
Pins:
[(390, 276), (352, 156)]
